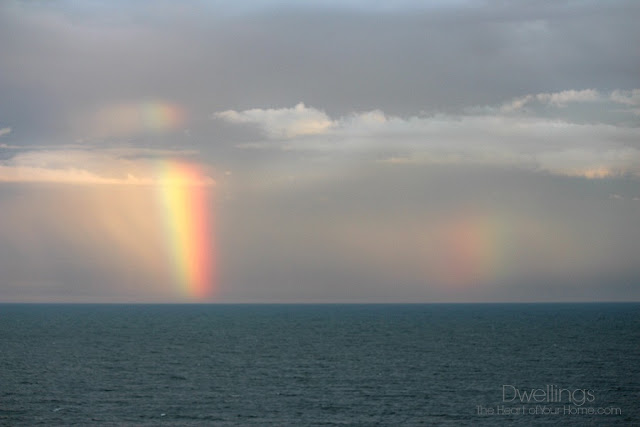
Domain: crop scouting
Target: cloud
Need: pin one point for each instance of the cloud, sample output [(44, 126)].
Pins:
[(516, 104), (627, 97), (561, 99), (91, 167), (592, 163), (490, 137), (556, 99), (5, 131), (61, 176), (282, 122)]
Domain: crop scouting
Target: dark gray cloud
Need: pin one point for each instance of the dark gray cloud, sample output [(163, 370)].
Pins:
[(56, 60)]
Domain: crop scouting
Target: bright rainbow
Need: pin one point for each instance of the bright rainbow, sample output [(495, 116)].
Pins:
[(185, 194)]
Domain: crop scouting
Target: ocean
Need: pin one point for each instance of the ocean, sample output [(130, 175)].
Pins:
[(299, 365)]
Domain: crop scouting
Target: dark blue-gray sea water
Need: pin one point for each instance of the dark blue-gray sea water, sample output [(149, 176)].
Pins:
[(441, 364)]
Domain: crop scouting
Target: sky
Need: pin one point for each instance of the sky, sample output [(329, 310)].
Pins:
[(319, 151)]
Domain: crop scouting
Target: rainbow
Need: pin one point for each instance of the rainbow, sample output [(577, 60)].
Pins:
[(185, 194), (159, 117), (140, 117), (472, 249)]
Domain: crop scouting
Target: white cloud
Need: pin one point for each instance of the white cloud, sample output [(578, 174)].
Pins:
[(561, 99), (282, 122), (62, 176), (89, 167), (556, 99), (5, 131), (516, 104), (627, 97), (486, 137), (591, 163)]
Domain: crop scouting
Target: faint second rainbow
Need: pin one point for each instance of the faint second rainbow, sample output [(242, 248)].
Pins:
[(471, 248), (137, 117), (160, 116)]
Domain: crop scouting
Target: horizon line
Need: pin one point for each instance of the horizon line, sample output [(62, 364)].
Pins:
[(318, 303)]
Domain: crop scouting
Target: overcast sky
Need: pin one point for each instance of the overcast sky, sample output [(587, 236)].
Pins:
[(436, 151)]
